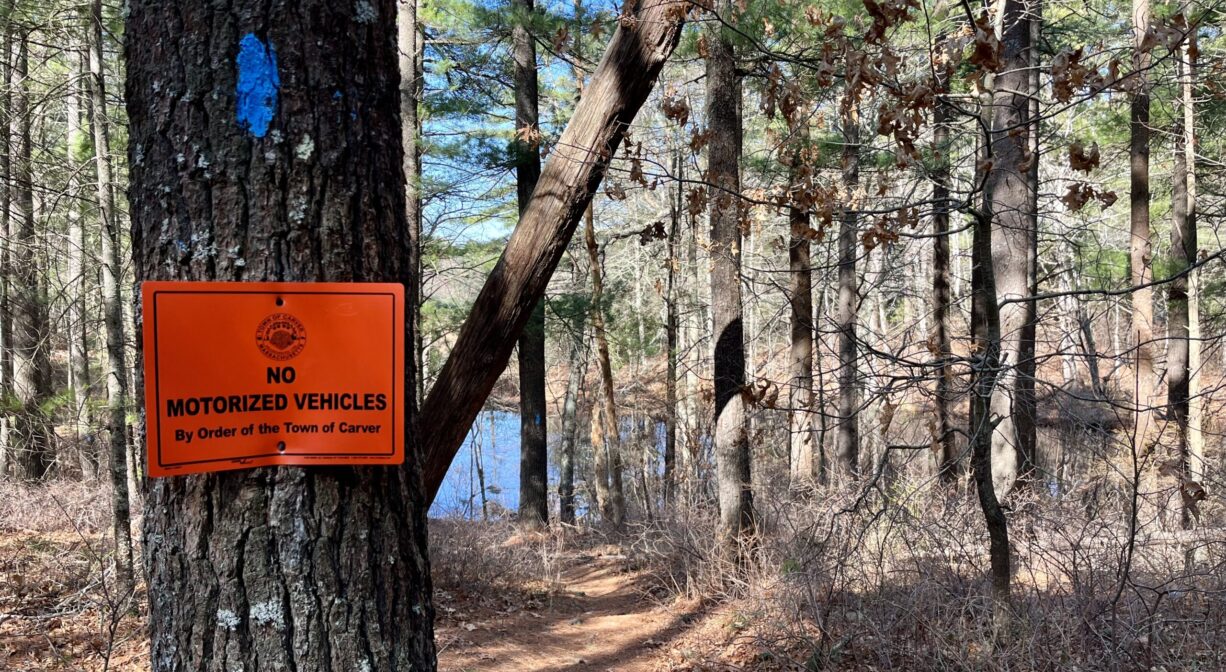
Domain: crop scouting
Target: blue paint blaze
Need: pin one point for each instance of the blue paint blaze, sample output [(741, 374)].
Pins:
[(257, 86)]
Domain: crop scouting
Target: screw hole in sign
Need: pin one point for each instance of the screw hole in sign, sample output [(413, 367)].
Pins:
[(280, 301), (281, 446)]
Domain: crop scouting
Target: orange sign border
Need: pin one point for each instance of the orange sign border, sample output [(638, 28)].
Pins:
[(150, 289)]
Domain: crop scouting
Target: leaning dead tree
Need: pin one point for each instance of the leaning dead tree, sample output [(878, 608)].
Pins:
[(647, 34)]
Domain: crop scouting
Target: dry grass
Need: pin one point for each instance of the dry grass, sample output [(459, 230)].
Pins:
[(897, 580), (58, 606)]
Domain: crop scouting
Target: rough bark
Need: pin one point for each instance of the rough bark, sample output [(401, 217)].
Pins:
[(112, 307), (6, 247), (319, 569), (1026, 404), (1197, 468), (1183, 255), (29, 437), (407, 39), (1140, 253), (1008, 190), (533, 446), (78, 354), (646, 36), (570, 425), (943, 439), (613, 505), (800, 300), (846, 454), (671, 326), (731, 442), (986, 368)]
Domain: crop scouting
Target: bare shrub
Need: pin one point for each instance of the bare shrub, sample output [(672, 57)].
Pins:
[(896, 579)]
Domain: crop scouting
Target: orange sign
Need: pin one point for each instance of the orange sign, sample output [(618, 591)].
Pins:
[(241, 375)]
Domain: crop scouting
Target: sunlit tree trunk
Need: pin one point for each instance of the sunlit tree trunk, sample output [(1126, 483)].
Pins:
[(533, 447), (1008, 191), (846, 454), (986, 367), (1183, 255), (732, 465), (613, 506), (570, 423), (671, 327), (1140, 252), (78, 355), (408, 41), (945, 446), (112, 306), (800, 300), (6, 246), (1026, 404), (30, 434), (323, 568)]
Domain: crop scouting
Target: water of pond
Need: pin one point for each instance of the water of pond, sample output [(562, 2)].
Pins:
[(494, 438)]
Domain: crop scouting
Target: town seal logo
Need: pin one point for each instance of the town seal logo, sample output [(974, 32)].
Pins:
[(281, 337)]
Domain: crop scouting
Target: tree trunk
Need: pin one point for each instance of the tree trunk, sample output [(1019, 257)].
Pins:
[(112, 306), (78, 354), (570, 423), (646, 36), (30, 435), (846, 456), (1140, 250), (533, 432), (1008, 189), (731, 443), (1183, 255), (985, 371), (407, 40), (944, 446), (6, 245), (800, 299), (1197, 468), (277, 568), (1026, 405), (671, 322), (613, 508)]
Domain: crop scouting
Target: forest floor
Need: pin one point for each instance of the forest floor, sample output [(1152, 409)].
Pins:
[(599, 615), (572, 606)]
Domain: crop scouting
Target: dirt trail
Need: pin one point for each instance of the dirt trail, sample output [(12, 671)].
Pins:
[(599, 621)]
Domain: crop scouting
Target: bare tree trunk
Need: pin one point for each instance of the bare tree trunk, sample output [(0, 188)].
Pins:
[(277, 568), (1140, 249), (112, 303), (1026, 404), (1183, 255), (732, 464), (614, 508), (533, 432), (800, 299), (985, 372), (944, 444), (1008, 190), (600, 460), (671, 320), (6, 229), (407, 39), (646, 36), (570, 423), (1197, 467), (78, 355), (847, 434), (30, 434)]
